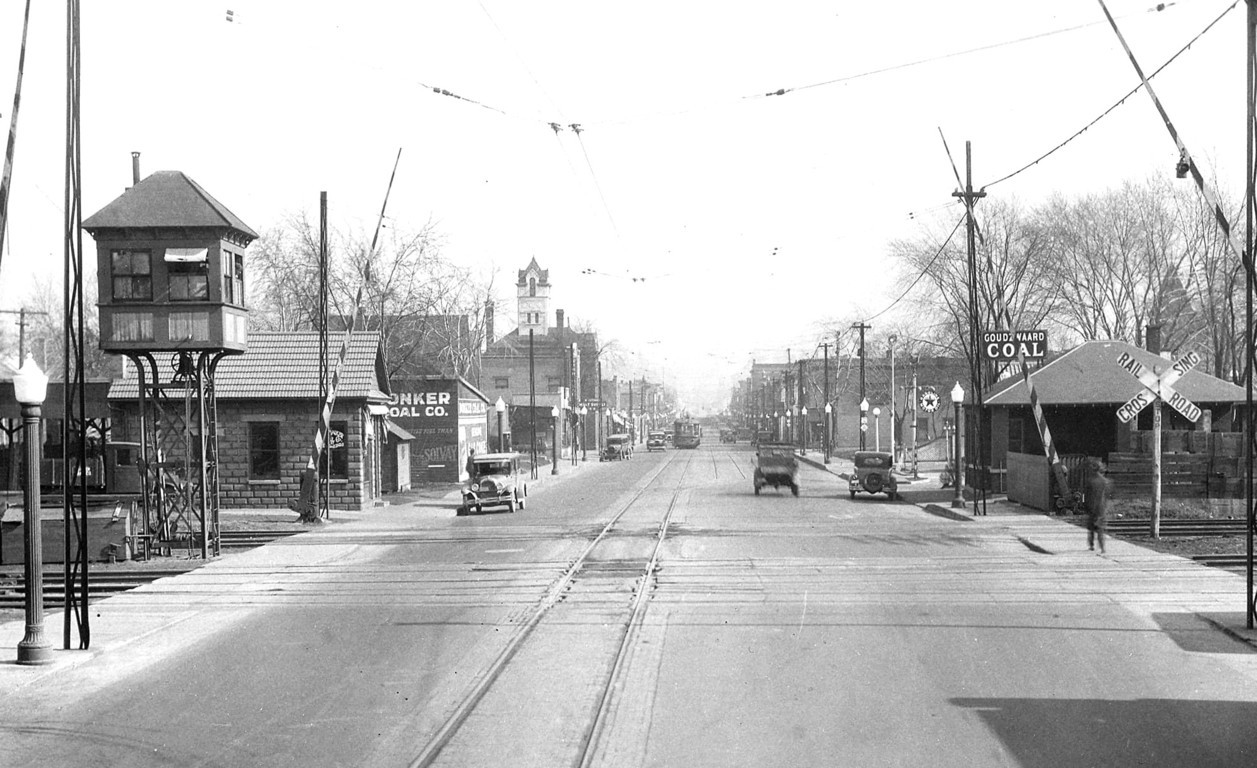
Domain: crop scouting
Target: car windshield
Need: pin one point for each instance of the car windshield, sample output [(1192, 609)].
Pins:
[(493, 467), (776, 450), (656, 435)]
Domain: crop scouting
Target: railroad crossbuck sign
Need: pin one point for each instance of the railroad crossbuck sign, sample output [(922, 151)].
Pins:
[(1158, 386)]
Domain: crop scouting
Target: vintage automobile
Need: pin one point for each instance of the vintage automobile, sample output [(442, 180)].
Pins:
[(619, 446), (872, 474), (496, 481), (776, 465), (728, 436), (655, 441)]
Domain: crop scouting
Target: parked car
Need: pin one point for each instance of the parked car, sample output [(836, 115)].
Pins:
[(728, 436), (655, 441), (872, 474), (496, 481), (776, 465), (618, 446)]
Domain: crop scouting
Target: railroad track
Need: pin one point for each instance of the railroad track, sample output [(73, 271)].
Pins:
[(1177, 527), (103, 582), (1222, 561), (100, 584), (586, 747)]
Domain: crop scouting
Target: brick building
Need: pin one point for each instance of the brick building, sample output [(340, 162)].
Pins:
[(268, 411)]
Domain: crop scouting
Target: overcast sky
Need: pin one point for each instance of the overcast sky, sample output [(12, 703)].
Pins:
[(695, 220)]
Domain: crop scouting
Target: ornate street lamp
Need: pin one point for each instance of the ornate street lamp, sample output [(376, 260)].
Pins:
[(584, 445), (864, 422), (957, 397), (803, 425), (554, 458), (829, 410), (877, 428), (500, 407), (30, 385)]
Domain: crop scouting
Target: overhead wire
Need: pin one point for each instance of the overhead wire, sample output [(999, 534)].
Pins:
[(1118, 103), (924, 271)]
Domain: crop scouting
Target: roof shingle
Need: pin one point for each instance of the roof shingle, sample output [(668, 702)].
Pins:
[(282, 365)]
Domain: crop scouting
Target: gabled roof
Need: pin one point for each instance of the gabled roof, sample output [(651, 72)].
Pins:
[(515, 344), (543, 275), (1089, 375), (166, 199), (283, 365)]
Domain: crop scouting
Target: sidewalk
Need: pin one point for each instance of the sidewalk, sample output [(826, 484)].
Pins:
[(1147, 577)]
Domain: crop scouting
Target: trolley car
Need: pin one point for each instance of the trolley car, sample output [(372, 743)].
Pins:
[(686, 433)]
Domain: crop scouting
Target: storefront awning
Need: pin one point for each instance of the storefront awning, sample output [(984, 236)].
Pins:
[(401, 434)]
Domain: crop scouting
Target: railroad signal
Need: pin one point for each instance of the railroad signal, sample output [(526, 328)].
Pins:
[(1158, 386)]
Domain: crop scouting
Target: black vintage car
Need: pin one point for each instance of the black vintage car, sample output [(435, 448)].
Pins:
[(776, 465), (873, 474)]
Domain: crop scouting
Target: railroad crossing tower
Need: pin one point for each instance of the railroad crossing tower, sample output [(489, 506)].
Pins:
[(170, 266)]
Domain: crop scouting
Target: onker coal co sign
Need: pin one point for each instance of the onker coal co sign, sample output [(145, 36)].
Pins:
[(1006, 346)]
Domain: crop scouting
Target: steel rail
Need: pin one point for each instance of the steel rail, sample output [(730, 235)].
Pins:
[(589, 742), (523, 631)]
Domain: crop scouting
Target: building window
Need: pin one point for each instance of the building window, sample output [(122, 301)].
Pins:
[(338, 451), (132, 326), (131, 273), (189, 281), (263, 450), (501, 382), (233, 278), (188, 326), (532, 286)]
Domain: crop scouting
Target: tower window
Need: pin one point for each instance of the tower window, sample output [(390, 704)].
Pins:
[(132, 275), (532, 286)]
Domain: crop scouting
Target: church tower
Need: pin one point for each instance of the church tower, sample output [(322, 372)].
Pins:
[(532, 293)]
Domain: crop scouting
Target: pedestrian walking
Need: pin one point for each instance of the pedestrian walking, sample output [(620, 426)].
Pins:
[(1098, 487), (471, 464)]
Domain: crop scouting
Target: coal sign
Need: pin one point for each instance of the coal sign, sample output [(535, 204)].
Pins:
[(1005, 346)]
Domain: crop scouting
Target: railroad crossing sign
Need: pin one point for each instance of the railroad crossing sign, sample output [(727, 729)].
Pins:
[(1158, 386)]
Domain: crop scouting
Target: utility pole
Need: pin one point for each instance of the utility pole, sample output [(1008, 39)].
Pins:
[(893, 461), (21, 330), (802, 405), (915, 419), (862, 328), (970, 199), (532, 402), (828, 409)]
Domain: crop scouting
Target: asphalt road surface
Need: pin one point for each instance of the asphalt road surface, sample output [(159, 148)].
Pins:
[(704, 627)]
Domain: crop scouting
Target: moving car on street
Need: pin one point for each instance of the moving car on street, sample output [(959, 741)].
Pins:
[(872, 474), (496, 481), (618, 447), (655, 441), (776, 465)]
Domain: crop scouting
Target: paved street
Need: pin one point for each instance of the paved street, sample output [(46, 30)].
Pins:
[(771, 630)]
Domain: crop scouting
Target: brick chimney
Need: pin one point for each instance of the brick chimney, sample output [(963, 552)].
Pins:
[(1152, 339), (488, 323), (558, 319)]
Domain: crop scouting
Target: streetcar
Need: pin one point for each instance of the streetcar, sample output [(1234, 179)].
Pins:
[(686, 433)]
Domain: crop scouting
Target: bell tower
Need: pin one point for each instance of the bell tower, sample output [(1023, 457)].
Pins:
[(532, 292)]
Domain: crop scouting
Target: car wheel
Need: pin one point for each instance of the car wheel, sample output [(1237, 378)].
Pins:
[(757, 486), (523, 502), (460, 510), (852, 494), (794, 489), (510, 505)]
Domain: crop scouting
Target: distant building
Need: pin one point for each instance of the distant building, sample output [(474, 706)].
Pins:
[(564, 368)]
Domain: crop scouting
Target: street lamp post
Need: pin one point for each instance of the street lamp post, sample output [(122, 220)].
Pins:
[(877, 429), (864, 423), (957, 397), (829, 410), (30, 385), (554, 449), (500, 407), (803, 425), (584, 444), (776, 427)]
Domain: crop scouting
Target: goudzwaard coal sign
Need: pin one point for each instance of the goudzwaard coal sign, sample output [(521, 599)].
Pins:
[(1005, 346)]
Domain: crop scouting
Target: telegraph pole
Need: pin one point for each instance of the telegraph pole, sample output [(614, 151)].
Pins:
[(970, 199), (862, 328), (828, 409), (802, 404), (21, 329)]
